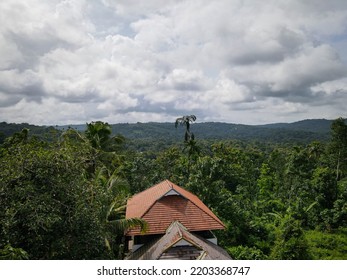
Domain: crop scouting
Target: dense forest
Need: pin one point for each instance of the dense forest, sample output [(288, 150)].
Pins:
[(144, 136), (63, 191)]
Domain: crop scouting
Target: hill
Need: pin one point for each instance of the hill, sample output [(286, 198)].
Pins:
[(312, 125), (304, 131), (8, 129), (300, 132)]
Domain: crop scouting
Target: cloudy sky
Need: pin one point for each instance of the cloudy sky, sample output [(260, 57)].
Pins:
[(238, 61)]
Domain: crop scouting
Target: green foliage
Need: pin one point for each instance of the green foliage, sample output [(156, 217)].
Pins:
[(266, 184), (338, 147), (64, 196), (45, 202), (246, 253), (10, 253), (290, 242), (296, 133), (327, 246), (99, 134), (325, 186), (54, 206), (42, 132)]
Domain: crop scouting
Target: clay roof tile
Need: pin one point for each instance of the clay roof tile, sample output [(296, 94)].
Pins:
[(160, 210)]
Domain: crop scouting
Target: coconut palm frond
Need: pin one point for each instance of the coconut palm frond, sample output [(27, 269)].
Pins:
[(122, 225), (186, 120), (311, 206), (113, 212), (107, 244)]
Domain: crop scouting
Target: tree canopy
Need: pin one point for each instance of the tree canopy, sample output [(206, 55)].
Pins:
[(63, 194)]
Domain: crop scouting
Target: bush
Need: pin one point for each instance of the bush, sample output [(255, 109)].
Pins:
[(246, 253), (327, 246)]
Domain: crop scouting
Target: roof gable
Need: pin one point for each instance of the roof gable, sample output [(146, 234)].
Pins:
[(165, 247), (166, 202), (172, 192)]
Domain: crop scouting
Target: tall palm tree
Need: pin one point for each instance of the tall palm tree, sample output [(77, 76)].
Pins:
[(186, 120), (191, 146)]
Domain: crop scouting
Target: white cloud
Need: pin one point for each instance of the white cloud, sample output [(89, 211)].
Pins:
[(248, 61), (311, 66), (184, 80), (331, 87), (10, 55)]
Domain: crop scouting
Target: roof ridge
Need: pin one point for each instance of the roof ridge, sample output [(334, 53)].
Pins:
[(209, 212), (169, 183), (153, 202), (151, 187), (182, 232)]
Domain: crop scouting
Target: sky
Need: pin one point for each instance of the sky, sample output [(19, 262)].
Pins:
[(235, 61)]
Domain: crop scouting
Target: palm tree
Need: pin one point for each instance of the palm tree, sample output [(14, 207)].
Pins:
[(191, 147), (108, 190), (112, 210), (186, 120), (99, 135)]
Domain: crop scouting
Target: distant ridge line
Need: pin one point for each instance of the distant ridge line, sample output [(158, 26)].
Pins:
[(303, 131)]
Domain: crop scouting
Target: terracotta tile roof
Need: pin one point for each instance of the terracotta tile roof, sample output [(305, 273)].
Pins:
[(164, 248), (160, 211)]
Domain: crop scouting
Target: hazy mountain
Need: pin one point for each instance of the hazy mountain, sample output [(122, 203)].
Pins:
[(304, 131)]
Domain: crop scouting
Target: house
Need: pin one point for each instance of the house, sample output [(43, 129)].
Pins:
[(179, 225)]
